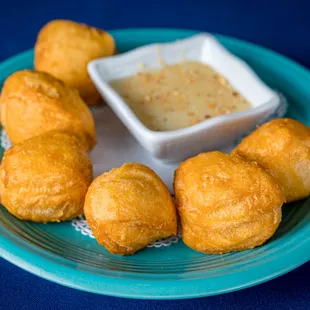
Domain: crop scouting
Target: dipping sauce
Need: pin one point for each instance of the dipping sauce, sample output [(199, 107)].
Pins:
[(179, 96)]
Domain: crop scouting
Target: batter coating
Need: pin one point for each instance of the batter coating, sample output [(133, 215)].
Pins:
[(225, 203), (33, 103), (128, 208), (282, 148), (64, 48), (45, 178)]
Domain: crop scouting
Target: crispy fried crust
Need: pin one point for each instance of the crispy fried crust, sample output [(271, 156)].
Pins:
[(282, 148), (128, 208), (226, 203), (33, 103), (64, 48), (45, 178)]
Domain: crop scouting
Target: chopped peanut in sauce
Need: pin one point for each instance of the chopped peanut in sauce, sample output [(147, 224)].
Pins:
[(165, 99)]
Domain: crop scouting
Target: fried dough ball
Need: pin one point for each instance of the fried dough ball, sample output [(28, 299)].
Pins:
[(128, 208), (33, 103), (282, 148), (64, 48), (45, 178), (226, 203)]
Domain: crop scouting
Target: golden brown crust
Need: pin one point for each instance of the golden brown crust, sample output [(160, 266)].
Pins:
[(128, 208), (282, 148), (33, 103), (64, 48), (226, 203), (45, 178)]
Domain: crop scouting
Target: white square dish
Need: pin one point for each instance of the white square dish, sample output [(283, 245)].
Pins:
[(212, 134)]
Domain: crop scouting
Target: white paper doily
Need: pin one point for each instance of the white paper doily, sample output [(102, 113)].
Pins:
[(5, 141), (81, 225)]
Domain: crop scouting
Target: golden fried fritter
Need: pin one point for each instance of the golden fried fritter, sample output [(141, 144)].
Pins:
[(282, 148), (45, 178), (226, 203), (64, 48), (33, 103), (128, 208)]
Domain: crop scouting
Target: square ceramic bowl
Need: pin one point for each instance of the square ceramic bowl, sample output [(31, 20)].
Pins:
[(212, 134)]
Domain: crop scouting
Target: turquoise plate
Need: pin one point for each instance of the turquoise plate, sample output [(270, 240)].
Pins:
[(59, 253)]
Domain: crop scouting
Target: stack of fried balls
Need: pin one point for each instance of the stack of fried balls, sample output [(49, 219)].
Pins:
[(225, 202)]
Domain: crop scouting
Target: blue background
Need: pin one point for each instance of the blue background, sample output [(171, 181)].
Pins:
[(277, 24)]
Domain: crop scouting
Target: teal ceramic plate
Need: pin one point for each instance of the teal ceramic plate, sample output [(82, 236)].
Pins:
[(59, 253)]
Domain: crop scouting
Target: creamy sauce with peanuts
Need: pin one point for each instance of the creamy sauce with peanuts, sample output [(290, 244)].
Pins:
[(179, 96)]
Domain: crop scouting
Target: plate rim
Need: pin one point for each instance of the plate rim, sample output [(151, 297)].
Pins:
[(13, 251)]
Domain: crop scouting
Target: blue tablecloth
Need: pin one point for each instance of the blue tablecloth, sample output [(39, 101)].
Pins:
[(278, 24), (20, 290)]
